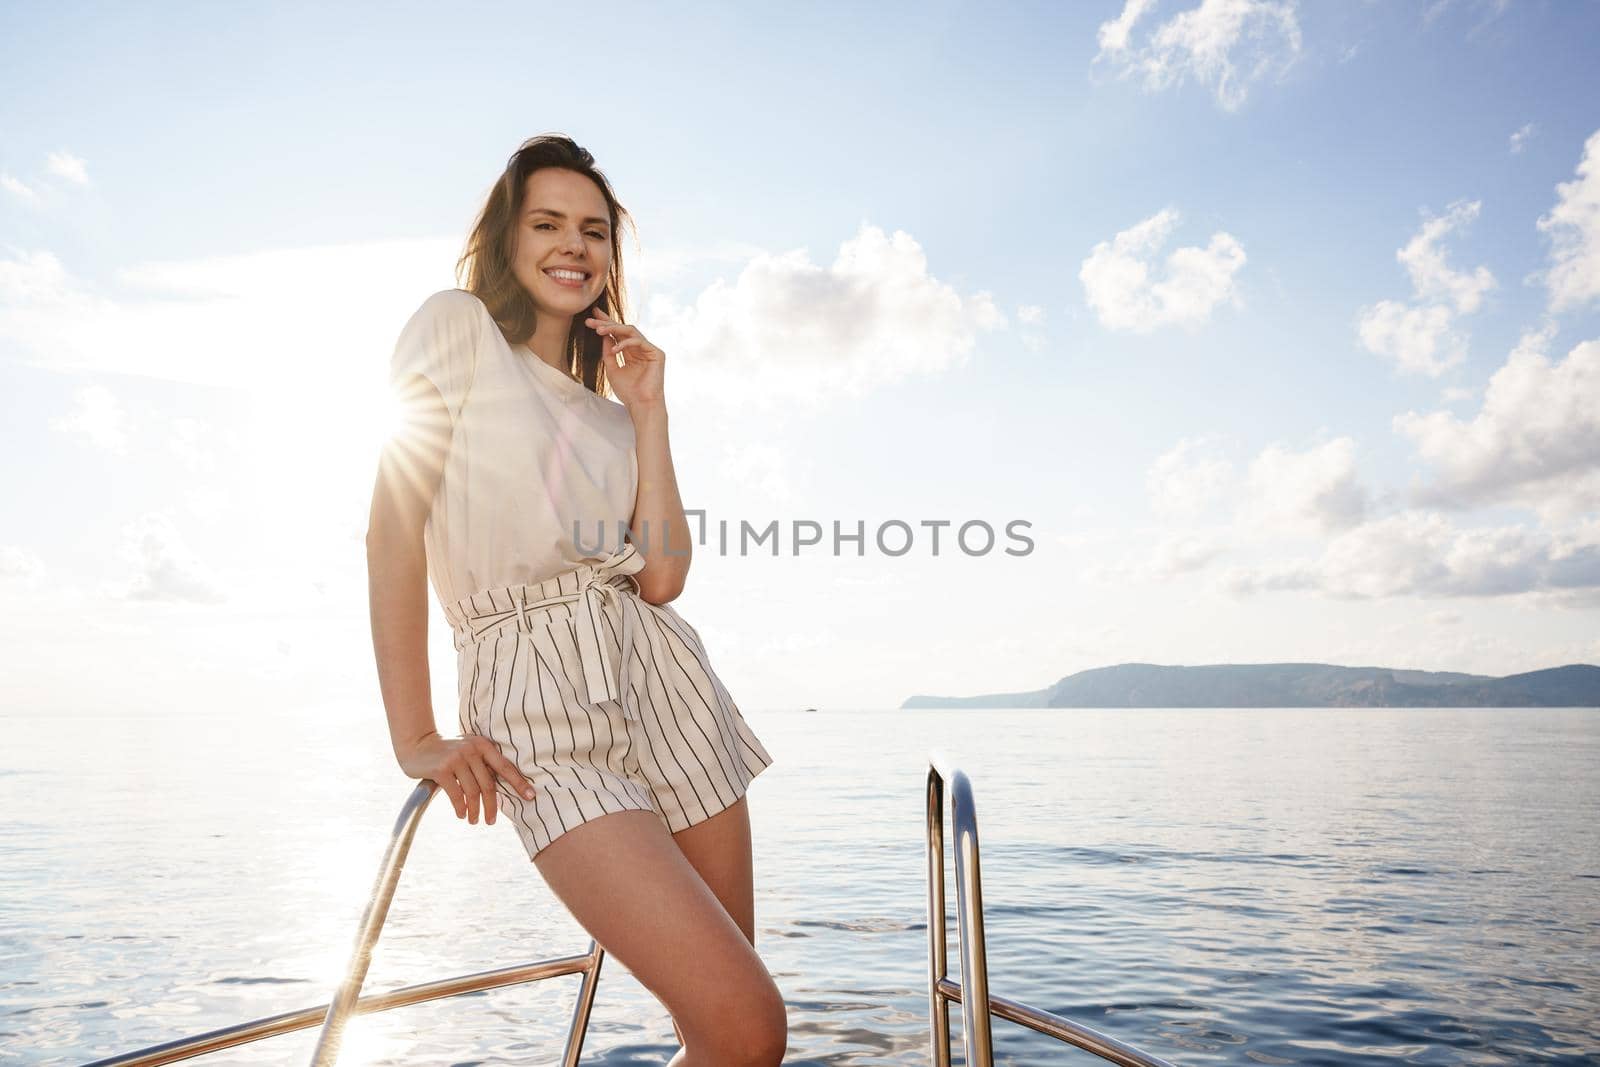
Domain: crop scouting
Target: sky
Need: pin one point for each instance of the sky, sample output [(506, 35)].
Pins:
[(1251, 332)]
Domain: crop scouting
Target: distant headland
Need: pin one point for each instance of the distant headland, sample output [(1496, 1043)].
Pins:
[(1293, 685)]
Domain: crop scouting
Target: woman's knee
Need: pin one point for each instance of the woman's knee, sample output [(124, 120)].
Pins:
[(755, 1034), (625, 880)]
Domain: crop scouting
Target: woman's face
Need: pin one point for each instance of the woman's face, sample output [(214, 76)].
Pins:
[(564, 226)]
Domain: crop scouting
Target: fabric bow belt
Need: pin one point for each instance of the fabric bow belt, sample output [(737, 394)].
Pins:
[(596, 585)]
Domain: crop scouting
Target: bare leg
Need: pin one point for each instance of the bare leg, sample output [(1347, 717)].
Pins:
[(629, 884), (719, 851)]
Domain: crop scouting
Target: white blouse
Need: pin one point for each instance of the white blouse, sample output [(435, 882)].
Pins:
[(541, 473)]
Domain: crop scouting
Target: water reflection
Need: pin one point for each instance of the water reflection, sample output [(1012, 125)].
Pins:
[(1219, 887)]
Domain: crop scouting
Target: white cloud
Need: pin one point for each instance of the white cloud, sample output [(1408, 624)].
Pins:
[(68, 166), (1492, 9), (1419, 553), (784, 330), (30, 281), (1113, 35), (19, 567), (97, 417), (1182, 553), (1534, 442), (1119, 286), (1031, 317), (1419, 338), (59, 165), (19, 189), (1223, 44), (787, 330), (1573, 226), (1282, 492), (1173, 555), (1190, 478), (1422, 337), (162, 565), (1433, 279), (1521, 137), (1316, 490), (187, 446)]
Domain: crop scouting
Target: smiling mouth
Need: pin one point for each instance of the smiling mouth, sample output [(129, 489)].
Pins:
[(571, 279)]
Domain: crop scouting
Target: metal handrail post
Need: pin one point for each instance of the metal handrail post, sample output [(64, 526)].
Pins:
[(347, 998), (585, 1002), (394, 858), (975, 1017), (938, 940), (977, 1005), (335, 1015)]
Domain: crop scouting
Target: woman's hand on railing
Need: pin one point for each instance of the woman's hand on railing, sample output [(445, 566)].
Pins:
[(465, 768)]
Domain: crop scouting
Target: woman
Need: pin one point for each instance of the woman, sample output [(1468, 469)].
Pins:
[(588, 706)]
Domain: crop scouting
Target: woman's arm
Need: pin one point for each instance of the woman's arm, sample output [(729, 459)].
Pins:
[(662, 530), (397, 567), (465, 768), (659, 528)]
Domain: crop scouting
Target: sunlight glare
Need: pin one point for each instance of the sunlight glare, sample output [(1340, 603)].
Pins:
[(387, 418), (366, 1042)]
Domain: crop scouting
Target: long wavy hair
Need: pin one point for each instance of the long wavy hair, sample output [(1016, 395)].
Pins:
[(485, 262)]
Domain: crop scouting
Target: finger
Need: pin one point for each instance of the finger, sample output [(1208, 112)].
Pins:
[(508, 770), (469, 786), (486, 786), (453, 791), (611, 327), (613, 333)]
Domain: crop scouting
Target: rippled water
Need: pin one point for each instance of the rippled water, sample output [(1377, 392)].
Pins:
[(1251, 886)]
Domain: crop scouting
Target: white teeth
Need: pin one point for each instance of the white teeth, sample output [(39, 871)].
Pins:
[(570, 275)]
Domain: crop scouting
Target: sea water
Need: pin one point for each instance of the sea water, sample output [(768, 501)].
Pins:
[(1307, 886)]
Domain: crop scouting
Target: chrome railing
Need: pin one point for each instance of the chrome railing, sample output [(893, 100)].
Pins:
[(347, 1001), (973, 989)]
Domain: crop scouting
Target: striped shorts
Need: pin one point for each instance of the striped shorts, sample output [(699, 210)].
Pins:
[(604, 701)]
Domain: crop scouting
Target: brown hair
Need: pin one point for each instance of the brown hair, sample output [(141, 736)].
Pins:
[(486, 260)]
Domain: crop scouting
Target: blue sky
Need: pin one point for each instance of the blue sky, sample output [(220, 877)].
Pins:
[(1276, 322)]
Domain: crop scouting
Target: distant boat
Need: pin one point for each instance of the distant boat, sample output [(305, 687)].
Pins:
[(811, 709)]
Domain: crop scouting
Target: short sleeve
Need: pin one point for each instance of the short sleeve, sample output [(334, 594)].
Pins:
[(440, 343)]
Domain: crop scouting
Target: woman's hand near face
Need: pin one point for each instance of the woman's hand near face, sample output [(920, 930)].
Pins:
[(465, 768), (639, 382)]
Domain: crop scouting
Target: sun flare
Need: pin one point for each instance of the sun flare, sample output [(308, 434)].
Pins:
[(386, 418)]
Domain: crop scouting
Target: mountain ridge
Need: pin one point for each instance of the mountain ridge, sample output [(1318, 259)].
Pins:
[(1291, 685)]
